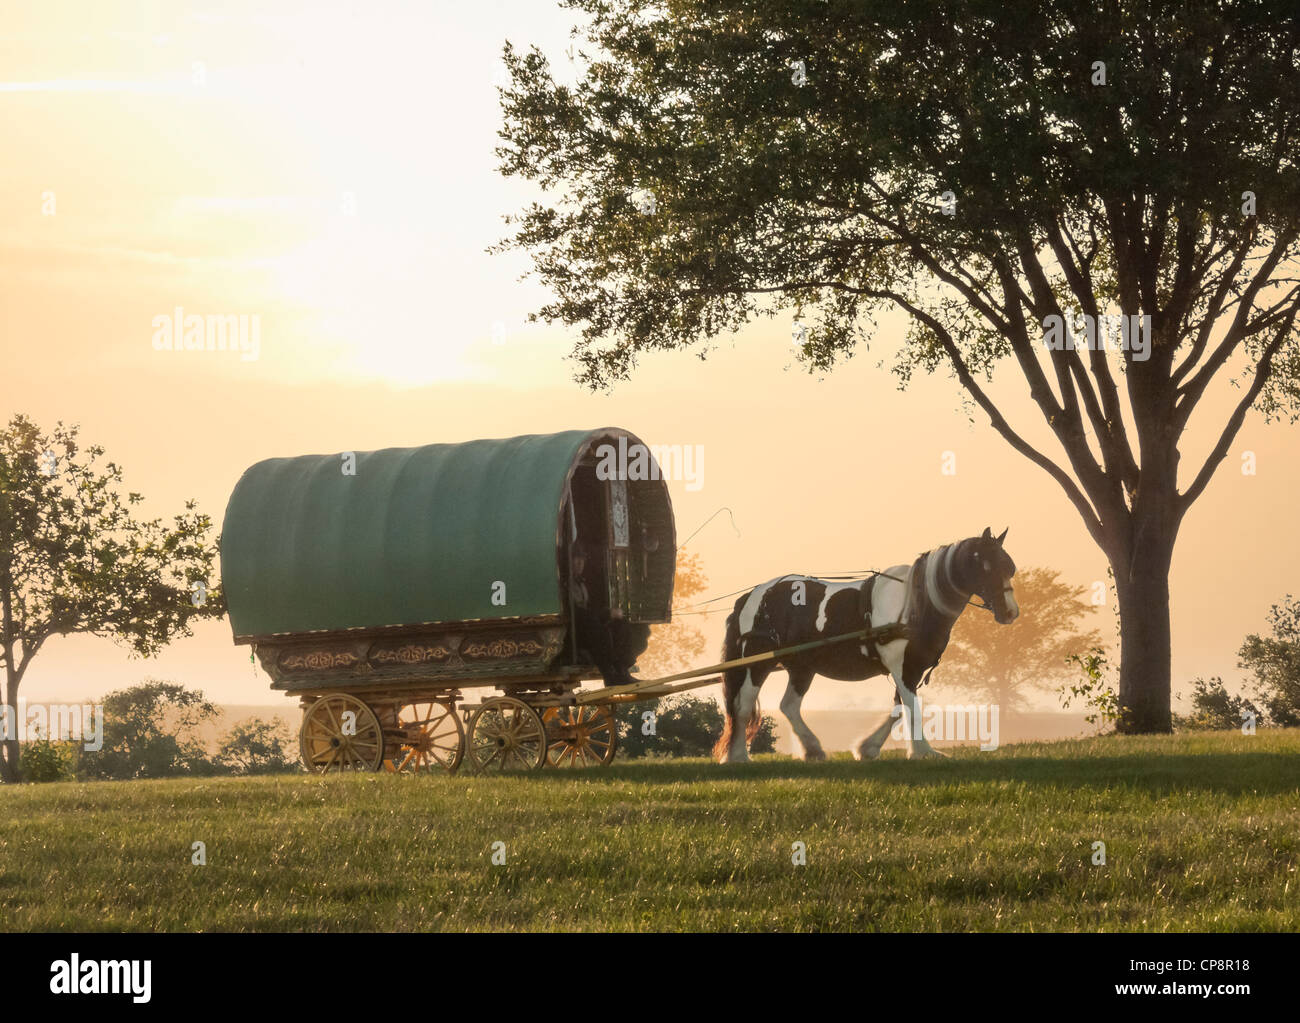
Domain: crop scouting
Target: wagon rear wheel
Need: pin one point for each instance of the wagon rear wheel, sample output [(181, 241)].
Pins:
[(580, 736), (340, 733), (432, 737), (506, 734)]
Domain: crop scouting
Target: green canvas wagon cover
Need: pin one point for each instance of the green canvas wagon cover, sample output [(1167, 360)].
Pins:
[(445, 533)]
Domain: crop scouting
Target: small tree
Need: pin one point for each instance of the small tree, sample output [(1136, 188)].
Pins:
[(75, 557), (1274, 661), (256, 747), (1005, 664), (151, 731)]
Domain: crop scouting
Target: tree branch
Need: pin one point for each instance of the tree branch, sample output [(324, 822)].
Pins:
[(1191, 392), (1233, 426)]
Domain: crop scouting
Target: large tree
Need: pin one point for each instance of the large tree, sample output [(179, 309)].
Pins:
[(979, 166), (77, 557)]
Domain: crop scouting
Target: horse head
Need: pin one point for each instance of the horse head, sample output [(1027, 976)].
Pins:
[(988, 570)]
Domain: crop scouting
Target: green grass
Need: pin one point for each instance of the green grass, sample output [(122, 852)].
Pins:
[(1202, 832)]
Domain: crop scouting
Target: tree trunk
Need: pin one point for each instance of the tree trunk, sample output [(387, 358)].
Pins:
[(9, 751), (1144, 673), (9, 755)]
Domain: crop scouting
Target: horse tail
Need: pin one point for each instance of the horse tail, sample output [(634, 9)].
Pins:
[(724, 740), (731, 647)]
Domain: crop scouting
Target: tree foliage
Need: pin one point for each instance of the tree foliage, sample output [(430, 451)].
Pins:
[(1274, 663), (151, 730), (679, 644)]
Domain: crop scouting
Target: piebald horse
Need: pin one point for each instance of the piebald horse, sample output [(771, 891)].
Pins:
[(927, 597)]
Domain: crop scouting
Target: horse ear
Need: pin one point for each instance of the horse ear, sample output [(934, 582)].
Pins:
[(1004, 534), (987, 534)]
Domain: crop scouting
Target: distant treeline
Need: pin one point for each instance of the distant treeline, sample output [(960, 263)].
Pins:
[(153, 730)]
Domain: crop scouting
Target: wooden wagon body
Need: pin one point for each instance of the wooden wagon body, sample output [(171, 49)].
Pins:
[(379, 586)]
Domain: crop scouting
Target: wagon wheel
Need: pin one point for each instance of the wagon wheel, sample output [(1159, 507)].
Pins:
[(432, 738), (506, 733), (580, 736), (329, 742)]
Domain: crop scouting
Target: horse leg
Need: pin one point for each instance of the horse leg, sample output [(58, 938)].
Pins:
[(790, 704), (891, 655), (742, 705), (869, 747)]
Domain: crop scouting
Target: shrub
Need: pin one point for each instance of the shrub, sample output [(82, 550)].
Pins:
[(1213, 707), (256, 746), (684, 726), (45, 760)]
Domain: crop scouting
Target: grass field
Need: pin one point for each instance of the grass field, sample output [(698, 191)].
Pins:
[(1202, 832)]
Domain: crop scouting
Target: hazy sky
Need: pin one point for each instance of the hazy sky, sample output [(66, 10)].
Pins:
[(329, 168)]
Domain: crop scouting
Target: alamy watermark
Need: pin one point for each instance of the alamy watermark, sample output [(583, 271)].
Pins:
[(214, 332), (75, 976), (1099, 333), (652, 462), (956, 722), (61, 722)]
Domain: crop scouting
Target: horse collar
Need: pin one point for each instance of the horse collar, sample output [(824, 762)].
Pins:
[(938, 582)]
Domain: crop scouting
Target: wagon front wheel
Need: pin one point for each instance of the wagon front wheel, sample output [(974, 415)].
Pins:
[(506, 734), (340, 733), (580, 736)]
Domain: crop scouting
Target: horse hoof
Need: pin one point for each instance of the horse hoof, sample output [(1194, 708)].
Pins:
[(867, 753), (926, 754), (814, 754)]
